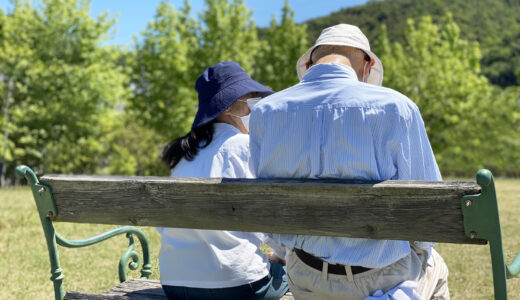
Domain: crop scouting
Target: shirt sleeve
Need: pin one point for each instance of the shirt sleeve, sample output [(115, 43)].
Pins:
[(406, 290), (278, 250), (283, 241)]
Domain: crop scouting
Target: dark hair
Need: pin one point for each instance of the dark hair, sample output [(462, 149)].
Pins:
[(188, 146)]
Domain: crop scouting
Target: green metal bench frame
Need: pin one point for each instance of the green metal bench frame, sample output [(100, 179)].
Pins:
[(480, 212), (46, 209)]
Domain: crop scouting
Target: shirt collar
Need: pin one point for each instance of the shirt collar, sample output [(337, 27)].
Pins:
[(225, 127), (329, 70)]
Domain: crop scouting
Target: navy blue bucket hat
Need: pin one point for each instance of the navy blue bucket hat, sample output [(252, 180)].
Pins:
[(220, 86)]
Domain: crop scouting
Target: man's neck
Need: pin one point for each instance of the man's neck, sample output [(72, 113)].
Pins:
[(335, 58)]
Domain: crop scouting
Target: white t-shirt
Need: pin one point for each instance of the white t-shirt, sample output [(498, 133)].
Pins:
[(210, 258)]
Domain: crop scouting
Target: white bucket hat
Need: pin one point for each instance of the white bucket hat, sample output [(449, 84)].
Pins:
[(344, 35)]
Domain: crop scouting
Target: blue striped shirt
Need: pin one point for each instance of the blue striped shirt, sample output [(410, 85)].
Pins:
[(330, 125)]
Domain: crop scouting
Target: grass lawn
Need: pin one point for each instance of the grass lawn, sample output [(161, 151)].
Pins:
[(24, 261)]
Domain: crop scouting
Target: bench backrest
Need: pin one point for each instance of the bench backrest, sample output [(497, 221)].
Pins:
[(400, 210), (457, 212)]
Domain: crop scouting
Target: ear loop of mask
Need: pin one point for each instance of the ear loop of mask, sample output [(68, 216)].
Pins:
[(364, 69)]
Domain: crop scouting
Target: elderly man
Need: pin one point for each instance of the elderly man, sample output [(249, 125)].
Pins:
[(339, 122)]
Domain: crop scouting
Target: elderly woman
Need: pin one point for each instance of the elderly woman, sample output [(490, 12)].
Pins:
[(208, 264)]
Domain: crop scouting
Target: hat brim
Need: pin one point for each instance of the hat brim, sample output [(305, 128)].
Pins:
[(226, 97), (376, 72)]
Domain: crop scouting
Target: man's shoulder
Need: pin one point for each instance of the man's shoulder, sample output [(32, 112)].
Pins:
[(356, 95), (277, 100), (388, 98)]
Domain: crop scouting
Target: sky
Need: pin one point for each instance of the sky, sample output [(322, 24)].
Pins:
[(133, 15)]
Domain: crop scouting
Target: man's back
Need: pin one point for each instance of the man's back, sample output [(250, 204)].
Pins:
[(332, 125)]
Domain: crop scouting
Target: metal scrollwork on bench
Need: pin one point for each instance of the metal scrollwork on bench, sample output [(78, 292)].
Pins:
[(129, 253), (47, 210)]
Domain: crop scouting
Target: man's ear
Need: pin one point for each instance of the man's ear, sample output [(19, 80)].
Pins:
[(308, 65)]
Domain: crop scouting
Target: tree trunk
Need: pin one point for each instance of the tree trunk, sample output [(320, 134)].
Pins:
[(6, 133)]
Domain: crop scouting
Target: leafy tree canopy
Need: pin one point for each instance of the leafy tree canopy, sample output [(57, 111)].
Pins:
[(495, 24), (63, 82), (464, 115)]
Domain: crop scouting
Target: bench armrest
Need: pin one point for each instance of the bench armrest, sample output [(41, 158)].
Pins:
[(47, 210), (146, 270)]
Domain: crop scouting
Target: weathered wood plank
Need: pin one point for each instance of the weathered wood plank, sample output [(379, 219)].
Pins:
[(133, 290), (129, 290), (90, 296), (401, 210)]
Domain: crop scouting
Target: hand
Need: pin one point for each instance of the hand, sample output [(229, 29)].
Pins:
[(275, 258)]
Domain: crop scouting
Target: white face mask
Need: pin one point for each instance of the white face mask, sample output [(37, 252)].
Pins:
[(251, 102), (244, 119)]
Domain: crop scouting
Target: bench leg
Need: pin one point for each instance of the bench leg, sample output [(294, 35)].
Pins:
[(481, 220), (50, 237), (47, 210), (499, 269)]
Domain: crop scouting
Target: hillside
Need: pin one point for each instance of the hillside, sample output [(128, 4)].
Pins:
[(493, 23)]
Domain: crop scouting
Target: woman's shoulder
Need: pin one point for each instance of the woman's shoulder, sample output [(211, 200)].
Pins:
[(237, 144), (232, 160), (230, 139)]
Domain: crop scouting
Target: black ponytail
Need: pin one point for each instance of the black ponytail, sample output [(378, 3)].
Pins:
[(188, 146)]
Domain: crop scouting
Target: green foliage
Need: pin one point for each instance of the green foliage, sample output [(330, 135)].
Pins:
[(164, 72), (64, 83), (76, 106), (175, 49), (500, 139), (463, 113), (228, 33), (283, 44), (495, 24), (131, 149)]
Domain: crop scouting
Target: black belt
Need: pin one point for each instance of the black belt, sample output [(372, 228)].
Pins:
[(256, 285), (317, 264)]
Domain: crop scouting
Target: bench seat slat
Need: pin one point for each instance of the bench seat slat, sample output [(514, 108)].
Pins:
[(128, 290), (399, 210), (135, 289)]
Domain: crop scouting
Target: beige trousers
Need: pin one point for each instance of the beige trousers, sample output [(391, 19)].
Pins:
[(432, 279)]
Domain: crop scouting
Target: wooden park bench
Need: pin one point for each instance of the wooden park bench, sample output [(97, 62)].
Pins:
[(447, 212)]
